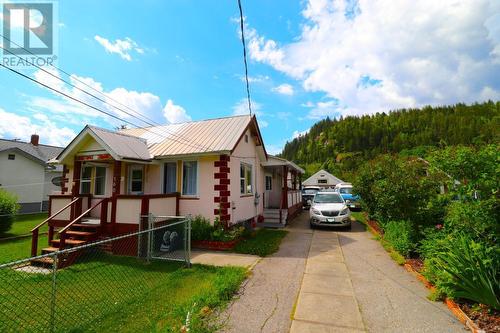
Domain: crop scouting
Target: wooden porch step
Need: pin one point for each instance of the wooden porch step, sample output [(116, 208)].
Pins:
[(72, 242), (44, 262), (49, 249), (83, 234), (86, 226)]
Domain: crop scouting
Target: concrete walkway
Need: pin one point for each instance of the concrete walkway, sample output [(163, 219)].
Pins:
[(326, 301), (223, 259), (333, 281), (266, 301), (390, 298)]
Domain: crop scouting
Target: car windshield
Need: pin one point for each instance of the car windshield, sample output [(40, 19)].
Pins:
[(310, 191), (346, 190), (328, 198)]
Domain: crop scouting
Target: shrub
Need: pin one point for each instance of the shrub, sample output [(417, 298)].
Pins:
[(201, 229), (402, 237), (465, 268), (8, 210)]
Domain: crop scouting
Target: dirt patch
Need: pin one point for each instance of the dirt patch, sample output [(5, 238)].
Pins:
[(487, 320), (374, 225), (416, 264)]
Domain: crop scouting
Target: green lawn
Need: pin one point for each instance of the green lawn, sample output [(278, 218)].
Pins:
[(263, 243), (24, 223), (104, 293), (359, 216), (19, 248)]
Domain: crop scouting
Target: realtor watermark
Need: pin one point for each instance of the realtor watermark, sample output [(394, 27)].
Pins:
[(29, 33)]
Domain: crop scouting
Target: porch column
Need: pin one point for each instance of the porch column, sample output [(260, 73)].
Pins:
[(76, 209), (285, 187), (117, 173)]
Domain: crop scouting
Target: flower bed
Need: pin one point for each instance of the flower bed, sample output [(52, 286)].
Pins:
[(215, 245)]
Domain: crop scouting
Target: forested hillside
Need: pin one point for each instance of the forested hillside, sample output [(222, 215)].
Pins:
[(340, 144)]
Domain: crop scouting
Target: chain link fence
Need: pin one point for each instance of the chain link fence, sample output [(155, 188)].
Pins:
[(83, 288)]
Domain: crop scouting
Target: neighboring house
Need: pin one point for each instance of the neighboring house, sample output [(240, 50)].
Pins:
[(322, 179), (217, 168), (24, 172)]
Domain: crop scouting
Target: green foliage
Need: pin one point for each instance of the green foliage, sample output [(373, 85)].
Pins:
[(201, 229), (402, 236), (397, 131), (8, 210), (471, 269), (265, 242), (396, 189)]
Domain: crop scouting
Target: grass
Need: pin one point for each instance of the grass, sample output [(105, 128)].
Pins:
[(24, 223), (19, 248), (265, 242), (109, 293), (359, 216)]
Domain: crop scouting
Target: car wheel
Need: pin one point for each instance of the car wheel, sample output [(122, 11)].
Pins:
[(311, 225)]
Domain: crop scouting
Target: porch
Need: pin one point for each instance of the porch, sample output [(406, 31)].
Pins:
[(77, 220), (282, 198)]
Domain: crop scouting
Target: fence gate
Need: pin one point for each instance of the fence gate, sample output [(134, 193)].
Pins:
[(168, 238)]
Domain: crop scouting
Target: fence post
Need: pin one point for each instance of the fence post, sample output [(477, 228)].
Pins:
[(150, 236), (187, 238), (53, 294)]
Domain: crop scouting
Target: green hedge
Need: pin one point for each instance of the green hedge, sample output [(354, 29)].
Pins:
[(8, 210)]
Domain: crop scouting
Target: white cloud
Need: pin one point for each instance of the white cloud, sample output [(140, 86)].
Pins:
[(284, 89), (263, 123), (122, 47), (241, 108), (16, 126), (120, 102), (388, 54), (297, 134), (255, 79), (325, 109), (175, 113)]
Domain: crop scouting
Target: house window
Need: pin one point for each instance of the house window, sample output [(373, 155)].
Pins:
[(170, 178), (322, 181), (100, 180), (11, 157), (245, 178), (269, 183), (190, 178), (93, 175), (136, 176), (86, 180)]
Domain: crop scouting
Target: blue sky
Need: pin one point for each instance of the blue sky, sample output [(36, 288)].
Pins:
[(179, 60)]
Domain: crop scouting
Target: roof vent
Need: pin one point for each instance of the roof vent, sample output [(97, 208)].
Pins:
[(34, 139)]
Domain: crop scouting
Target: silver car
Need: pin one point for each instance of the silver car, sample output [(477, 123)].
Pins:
[(329, 209)]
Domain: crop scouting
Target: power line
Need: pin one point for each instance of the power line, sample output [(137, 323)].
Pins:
[(78, 80), (97, 109), (164, 130), (245, 56)]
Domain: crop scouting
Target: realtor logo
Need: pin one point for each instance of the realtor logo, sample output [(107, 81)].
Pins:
[(28, 28), (29, 35)]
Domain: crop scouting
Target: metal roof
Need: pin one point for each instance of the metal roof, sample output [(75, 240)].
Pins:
[(123, 145), (40, 153), (278, 161), (196, 137)]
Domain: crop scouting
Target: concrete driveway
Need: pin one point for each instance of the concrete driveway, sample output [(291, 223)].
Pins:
[(333, 281)]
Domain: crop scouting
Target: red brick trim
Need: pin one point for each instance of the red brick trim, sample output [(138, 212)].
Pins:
[(220, 187), (221, 198)]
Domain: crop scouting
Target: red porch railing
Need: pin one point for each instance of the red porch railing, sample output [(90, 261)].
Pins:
[(62, 232), (35, 230)]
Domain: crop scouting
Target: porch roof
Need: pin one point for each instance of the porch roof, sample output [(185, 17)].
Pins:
[(278, 161), (120, 146)]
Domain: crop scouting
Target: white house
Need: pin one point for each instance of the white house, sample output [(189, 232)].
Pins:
[(322, 179), (24, 172)]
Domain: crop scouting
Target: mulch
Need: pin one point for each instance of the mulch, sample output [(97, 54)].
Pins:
[(487, 320), (416, 264), (374, 225)]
